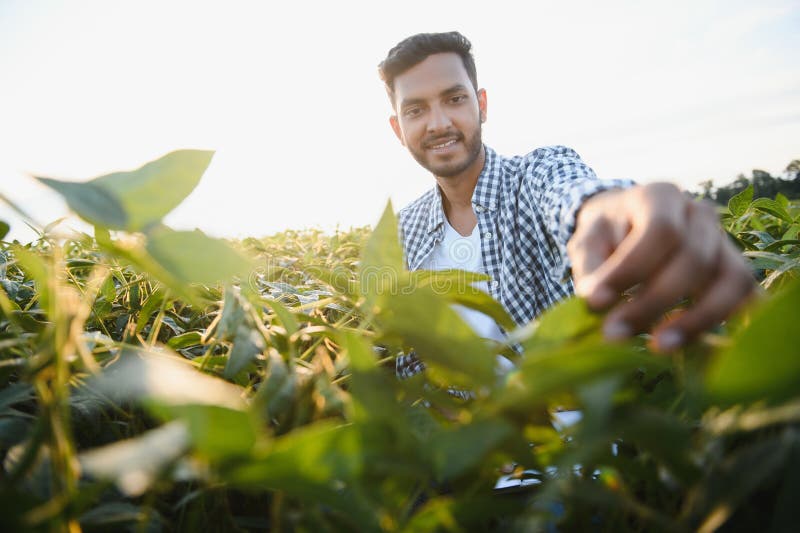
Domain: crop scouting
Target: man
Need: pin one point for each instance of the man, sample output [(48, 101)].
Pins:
[(537, 217)]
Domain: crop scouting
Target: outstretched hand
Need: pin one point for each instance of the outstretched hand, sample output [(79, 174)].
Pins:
[(665, 246)]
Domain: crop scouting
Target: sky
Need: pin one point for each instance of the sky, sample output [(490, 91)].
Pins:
[(288, 96)]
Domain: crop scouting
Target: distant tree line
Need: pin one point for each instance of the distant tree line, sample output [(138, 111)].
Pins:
[(764, 185)]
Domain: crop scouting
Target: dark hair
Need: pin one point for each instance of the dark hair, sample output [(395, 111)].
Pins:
[(415, 49)]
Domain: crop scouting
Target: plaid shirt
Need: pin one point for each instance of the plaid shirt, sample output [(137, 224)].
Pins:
[(526, 208)]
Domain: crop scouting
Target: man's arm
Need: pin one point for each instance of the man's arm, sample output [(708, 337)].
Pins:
[(672, 247)]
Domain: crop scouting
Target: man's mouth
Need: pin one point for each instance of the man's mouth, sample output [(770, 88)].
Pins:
[(442, 145)]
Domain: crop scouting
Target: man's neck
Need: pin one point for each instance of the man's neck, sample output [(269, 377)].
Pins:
[(457, 190), (457, 194)]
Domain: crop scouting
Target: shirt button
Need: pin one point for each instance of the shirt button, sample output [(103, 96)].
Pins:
[(487, 235), (480, 208), (495, 284)]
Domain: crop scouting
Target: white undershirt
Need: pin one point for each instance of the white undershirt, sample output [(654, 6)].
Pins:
[(464, 253)]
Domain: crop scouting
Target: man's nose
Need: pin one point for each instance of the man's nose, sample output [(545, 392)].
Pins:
[(438, 120)]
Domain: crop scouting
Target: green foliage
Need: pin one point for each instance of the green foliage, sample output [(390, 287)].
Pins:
[(155, 379)]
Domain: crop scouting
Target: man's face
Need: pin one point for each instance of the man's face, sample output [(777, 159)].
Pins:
[(439, 115)]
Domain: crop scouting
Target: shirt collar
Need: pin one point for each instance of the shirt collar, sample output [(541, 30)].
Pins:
[(486, 195)]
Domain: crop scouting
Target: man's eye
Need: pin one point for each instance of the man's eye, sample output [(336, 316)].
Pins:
[(458, 98), (412, 112)]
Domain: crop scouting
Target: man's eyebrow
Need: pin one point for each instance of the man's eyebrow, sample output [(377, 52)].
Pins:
[(450, 90)]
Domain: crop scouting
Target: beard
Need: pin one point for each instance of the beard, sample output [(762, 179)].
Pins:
[(458, 164)]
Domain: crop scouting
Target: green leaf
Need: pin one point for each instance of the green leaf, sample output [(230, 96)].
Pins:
[(543, 373), (184, 340), (454, 354), (151, 305), (91, 202), (777, 245), (276, 392), (4, 229), (216, 432), (457, 286), (371, 388), (739, 203), (135, 200), (247, 344), (192, 257), (286, 317), (153, 190), (771, 207), (313, 463), (762, 361), (457, 450), (382, 270), (567, 320)]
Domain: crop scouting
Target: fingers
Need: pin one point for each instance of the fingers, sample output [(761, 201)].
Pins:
[(726, 293), (589, 248), (682, 275), (656, 215)]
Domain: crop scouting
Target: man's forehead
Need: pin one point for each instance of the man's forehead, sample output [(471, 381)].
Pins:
[(434, 75)]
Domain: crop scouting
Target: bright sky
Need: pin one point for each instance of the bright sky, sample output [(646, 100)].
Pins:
[(287, 93)]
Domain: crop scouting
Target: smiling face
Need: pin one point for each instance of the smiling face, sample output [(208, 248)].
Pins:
[(439, 116)]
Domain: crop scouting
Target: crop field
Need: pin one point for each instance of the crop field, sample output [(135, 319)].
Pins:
[(161, 380)]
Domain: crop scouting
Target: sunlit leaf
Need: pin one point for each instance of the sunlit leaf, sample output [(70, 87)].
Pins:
[(135, 200), (91, 202), (134, 464), (166, 380)]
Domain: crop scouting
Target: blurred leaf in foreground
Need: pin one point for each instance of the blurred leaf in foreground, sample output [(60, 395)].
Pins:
[(763, 361), (218, 418), (134, 464), (138, 199)]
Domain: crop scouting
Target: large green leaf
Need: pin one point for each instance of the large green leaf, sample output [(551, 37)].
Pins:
[(91, 202), (135, 200), (762, 361), (193, 257), (4, 229)]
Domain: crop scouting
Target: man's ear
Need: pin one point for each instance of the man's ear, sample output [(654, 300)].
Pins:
[(482, 104), (396, 128)]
